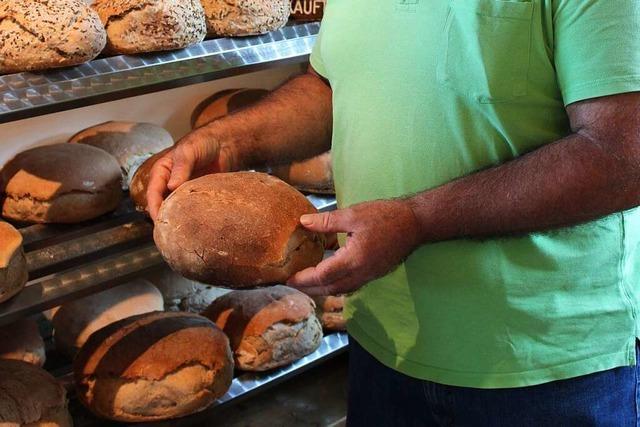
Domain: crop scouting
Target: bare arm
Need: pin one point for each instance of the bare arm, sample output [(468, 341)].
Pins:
[(294, 122), (591, 173)]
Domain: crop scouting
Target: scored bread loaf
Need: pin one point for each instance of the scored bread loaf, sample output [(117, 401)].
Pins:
[(237, 230), (154, 366), (31, 397), (76, 320), (140, 180), (137, 26), (313, 175), (21, 340), (225, 102), (329, 310), (13, 264), (60, 183), (37, 35), (130, 143), (267, 327), (245, 17)]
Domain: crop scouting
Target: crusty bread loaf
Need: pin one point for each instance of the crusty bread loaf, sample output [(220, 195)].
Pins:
[(153, 366), (329, 310), (267, 327), (31, 397), (182, 294), (237, 230), (13, 264), (21, 340), (245, 17), (60, 183), (76, 320), (314, 175), (225, 102), (130, 143), (140, 180), (37, 35), (137, 26)]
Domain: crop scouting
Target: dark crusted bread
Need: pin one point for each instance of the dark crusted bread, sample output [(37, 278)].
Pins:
[(31, 397), (60, 183), (13, 265), (130, 143), (37, 35), (225, 102), (154, 366), (21, 340), (268, 327), (237, 230), (314, 175), (245, 17), (137, 26)]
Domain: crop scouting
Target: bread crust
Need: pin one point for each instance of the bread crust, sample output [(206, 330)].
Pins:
[(31, 397), (267, 327), (225, 102), (314, 175), (166, 364), (329, 310), (245, 17), (137, 26), (21, 340), (13, 264), (38, 35), (237, 230), (40, 186)]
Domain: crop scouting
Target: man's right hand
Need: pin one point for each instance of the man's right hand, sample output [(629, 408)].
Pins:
[(198, 153)]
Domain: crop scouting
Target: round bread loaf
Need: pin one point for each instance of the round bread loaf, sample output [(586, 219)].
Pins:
[(237, 230), (13, 264), (137, 26), (314, 175), (153, 367), (140, 180), (225, 102), (31, 397), (245, 17), (61, 183), (130, 143), (267, 327), (37, 35), (21, 340), (329, 310), (75, 321)]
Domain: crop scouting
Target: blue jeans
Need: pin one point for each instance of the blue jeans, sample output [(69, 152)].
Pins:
[(382, 397)]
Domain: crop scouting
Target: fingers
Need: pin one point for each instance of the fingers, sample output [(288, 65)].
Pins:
[(330, 270), (157, 186), (183, 164), (329, 222)]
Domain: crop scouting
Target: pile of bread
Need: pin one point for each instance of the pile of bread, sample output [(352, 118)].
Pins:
[(39, 35)]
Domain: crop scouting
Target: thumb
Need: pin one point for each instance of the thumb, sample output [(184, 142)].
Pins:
[(328, 222), (183, 163)]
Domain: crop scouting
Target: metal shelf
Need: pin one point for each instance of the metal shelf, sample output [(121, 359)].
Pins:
[(26, 95)]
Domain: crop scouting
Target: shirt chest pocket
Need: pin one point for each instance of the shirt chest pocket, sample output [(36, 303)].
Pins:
[(486, 49)]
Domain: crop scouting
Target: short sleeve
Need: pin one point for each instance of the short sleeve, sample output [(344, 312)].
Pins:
[(596, 47), (316, 57)]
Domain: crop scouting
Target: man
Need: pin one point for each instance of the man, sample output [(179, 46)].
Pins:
[(487, 163)]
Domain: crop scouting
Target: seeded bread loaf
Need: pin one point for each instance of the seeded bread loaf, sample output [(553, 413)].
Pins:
[(267, 327), (37, 35), (153, 367), (60, 183), (137, 26), (237, 230), (13, 265), (21, 340), (130, 143), (31, 397), (245, 17)]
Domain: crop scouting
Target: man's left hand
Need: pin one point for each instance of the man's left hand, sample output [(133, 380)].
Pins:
[(380, 235)]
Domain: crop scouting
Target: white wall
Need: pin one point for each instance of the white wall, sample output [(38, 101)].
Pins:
[(170, 109)]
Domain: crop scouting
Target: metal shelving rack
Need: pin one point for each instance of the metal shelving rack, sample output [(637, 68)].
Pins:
[(72, 261)]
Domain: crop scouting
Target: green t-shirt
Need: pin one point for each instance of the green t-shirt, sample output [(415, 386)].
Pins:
[(425, 91)]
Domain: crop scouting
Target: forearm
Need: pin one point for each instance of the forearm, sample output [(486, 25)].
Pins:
[(292, 123), (571, 181)]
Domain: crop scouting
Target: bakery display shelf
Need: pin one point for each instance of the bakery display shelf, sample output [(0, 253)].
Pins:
[(26, 95), (67, 262), (243, 386)]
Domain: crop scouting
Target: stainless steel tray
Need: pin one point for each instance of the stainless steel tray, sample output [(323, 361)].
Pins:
[(26, 95)]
